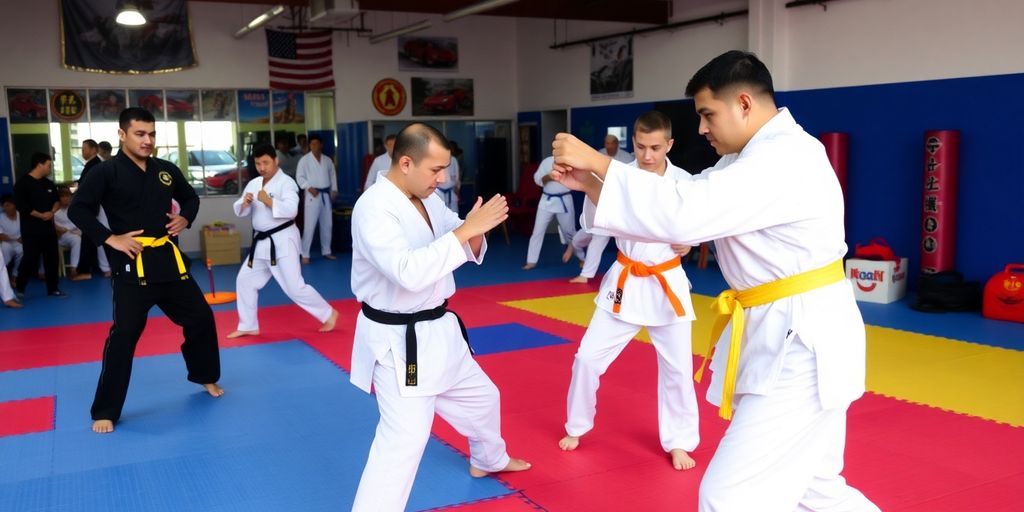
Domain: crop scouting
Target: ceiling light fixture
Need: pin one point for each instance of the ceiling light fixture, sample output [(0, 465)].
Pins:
[(130, 15), (401, 31), (477, 8), (260, 20)]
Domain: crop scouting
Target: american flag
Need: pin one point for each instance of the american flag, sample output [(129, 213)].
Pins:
[(300, 61)]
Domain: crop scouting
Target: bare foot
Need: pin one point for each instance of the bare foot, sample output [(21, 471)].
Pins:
[(580, 280), (239, 334), (328, 326), (529, 266), (305, 261), (681, 460), (569, 443), (567, 255), (330, 257), (103, 426), (214, 390), (81, 277), (13, 304), (513, 465)]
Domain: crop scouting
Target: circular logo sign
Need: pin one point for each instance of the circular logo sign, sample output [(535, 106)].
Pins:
[(67, 105), (388, 97)]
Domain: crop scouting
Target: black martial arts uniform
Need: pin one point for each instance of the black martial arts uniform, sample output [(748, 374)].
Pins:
[(135, 199), (38, 236)]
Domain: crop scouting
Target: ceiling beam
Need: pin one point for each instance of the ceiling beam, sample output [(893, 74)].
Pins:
[(291, 3)]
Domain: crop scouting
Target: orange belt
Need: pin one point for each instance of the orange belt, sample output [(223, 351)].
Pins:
[(640, 270)]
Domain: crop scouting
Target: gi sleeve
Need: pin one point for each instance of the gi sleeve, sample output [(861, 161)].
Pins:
[(85, 205)]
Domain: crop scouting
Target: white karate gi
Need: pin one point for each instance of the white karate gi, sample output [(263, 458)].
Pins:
[(644, 303), (12, 250), (6, 292), (402, 265), (620, 155), (774, 210), (320, 175), (555, 202), (71, 239), (378, 169), (447, 190), (288, 270), (593, 246)]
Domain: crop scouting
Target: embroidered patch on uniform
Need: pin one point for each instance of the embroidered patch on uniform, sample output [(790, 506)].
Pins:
[(165, 178)]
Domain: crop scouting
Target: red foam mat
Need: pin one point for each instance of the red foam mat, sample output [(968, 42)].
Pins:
[(26, 416)]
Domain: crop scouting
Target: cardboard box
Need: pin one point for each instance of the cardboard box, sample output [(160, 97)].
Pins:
[(880, 282), (223, 246)]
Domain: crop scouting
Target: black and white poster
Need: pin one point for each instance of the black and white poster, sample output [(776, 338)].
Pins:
[(611, 68), (92, 40)]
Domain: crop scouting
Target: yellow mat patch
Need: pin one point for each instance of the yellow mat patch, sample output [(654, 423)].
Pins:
[(957, 376)]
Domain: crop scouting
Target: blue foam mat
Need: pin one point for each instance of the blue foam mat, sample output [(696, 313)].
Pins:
[(290, 434)]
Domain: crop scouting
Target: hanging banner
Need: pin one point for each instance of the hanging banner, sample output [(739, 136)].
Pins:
[(938, 225), (91, 39)]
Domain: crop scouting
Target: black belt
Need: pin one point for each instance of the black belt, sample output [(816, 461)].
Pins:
[(409, 321), (263, 235)]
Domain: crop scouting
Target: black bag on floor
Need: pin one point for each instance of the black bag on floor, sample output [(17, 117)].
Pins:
[(947, 291)]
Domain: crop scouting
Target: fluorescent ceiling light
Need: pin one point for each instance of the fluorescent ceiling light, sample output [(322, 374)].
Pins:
[(477, 8), (260, 20), (130, 15), (408, 29)]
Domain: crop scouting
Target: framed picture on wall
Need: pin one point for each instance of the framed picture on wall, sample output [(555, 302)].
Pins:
[(442, 96), (289, 107), (27, 105), (417, 53), (218, 105), (149, 99), (182, 105), (254, 106), (106, 104), (611, 68)]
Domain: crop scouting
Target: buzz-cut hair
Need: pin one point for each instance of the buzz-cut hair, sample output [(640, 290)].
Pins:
[(731, 69), (413, 140), (134, 114), (652, 121)]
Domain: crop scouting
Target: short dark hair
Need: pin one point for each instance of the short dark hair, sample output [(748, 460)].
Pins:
[(89, 143), (39, 158), (134, 114), (63, 190), (264, 150), (652, 121), (301, 136), (7, 198), (729, 69), (413, 140), (390, 136), (105, 146), (315, 137)]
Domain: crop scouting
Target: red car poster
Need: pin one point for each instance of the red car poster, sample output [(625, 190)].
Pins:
[(417, 53), (442, 96), (27, 105)]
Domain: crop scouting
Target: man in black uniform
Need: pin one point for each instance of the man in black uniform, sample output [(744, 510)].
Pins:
[(90, 153), (136, 191), (36, 198), (87, 260)]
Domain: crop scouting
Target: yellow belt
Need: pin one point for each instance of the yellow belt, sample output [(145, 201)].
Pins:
[(148, 241), (729, 306)]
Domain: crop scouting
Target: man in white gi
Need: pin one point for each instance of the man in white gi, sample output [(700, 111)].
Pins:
[(593, 246), (317, 177), (774, 208), (382, 163), (645, 287), (69, 236), (7, 294), (555, 202), (405, 245), (273, 201), (612, 149), (10, 234), (449, 192)]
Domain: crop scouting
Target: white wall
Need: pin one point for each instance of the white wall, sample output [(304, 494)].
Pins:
[(487, 52), (860, 42), (662, 61)]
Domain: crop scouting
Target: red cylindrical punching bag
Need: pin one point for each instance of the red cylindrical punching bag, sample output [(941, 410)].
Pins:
[(938, 224), (837, 147)]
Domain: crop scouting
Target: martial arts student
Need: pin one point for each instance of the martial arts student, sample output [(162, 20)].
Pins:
[(382, 163), (555, 202), (136, 191), (449, 193), (69, 236), (612, 149), (10, 235), (36, 198), (317, 177), (408, 345), (592, 246), (273, 201), (774, 208), (645, 287), (6, 292)]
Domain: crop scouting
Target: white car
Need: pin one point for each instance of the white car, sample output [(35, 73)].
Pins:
[(203, 163)]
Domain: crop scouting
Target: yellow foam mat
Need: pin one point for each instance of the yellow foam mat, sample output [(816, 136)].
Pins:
[(967, 378)]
